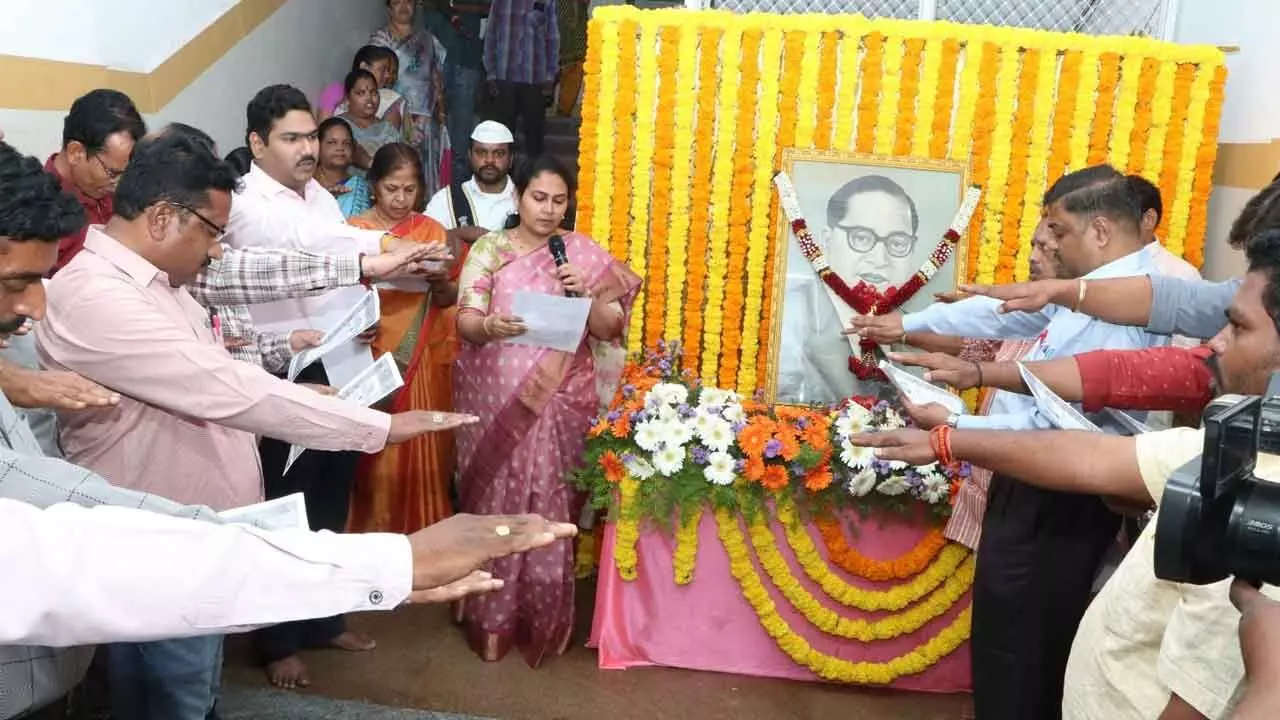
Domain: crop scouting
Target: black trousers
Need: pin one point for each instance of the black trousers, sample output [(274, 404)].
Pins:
[(324, 479), (1039, 554), (524, 102)]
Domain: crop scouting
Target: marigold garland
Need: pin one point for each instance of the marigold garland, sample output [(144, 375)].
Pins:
[(685, 556), (605, 130), (1143, 116), (902, 567), (1152, 167), (872, 75), (1064, 115), (1210, 118), (628, 531), (624, 119), (912, 57), (643, 172), (927, 94), (1000, 158), (809, 47), (886, 130), (1037, 162), (983, 102), (1091, 67), (828, 77), (1171, 166), (1019, 157), (588, 129), (1127, 101), (847, 92), (700, 193), (945, 99), (825, 666), (1104, 106), (681, 173)]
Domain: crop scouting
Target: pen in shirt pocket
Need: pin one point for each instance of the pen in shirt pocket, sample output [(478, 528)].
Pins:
[(215, 324)]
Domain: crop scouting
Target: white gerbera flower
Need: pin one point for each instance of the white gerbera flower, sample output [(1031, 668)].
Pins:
[(848, 425), (669, 460), (935, 494), (715, 396), (638, 467), (898, 465), (734, 413), (856, 457), (716, 434), (670, 393), (720, 469), (862, 483), (893, 485), (668, 413), (892, 420), (649, 435), (676, 432)]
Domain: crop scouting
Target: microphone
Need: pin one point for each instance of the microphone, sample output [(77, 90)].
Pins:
[(556, 245)]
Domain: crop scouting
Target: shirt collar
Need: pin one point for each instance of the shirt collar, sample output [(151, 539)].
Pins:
[(131, 263), (1137, 262), (260, 182), (509, 189)]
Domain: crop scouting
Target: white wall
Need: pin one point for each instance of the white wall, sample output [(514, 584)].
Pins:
[(307, 43), (1252, 109)]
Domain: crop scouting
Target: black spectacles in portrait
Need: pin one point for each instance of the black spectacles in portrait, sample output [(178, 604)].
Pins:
[(862, 239)]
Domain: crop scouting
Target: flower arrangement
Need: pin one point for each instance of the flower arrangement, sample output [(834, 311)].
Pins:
[(688, 446)]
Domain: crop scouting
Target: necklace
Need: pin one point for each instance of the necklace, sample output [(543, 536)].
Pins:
[(381, 220), (521, 243)]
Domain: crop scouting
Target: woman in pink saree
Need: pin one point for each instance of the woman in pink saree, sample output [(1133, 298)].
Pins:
[(535, 405)]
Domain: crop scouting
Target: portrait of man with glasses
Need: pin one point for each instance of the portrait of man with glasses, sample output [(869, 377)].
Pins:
[(875, 225)]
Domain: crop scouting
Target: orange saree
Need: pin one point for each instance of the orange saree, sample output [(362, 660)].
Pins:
[(406, 487)]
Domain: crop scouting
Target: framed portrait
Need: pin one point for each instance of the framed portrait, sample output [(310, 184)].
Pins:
[(877, 220)]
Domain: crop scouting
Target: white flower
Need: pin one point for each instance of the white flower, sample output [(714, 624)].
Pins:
[(898, 465), (675, 432), (638, 467), (862, 483), (892, 421), (856, 457), (668, 413), (893, 485), (720, 469), (649, 435), (848, 425), (935, 494), (670, 393), (715, 396), (669, 460), (734, 413), (716, 434)]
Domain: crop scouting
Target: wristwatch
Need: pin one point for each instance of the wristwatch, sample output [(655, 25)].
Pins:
[(953, 420)]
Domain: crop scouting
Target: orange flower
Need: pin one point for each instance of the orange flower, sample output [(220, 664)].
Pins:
[(900, 568), (818, 436), (818, 479), (869, 94), (790, 443), (614, 470), (598, 429), (753, 437), (754, 469), (775, 477), (622, 426)]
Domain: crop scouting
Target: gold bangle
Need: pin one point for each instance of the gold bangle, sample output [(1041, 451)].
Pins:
[(484, 326), (386, 241), (1080, 296)]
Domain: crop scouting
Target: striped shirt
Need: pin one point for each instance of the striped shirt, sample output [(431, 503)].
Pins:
[(522, 41)]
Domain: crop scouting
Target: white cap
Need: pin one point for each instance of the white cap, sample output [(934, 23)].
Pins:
[(492, 133)]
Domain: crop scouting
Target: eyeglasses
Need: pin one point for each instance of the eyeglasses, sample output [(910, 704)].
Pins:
[(214, 229), (112, 173), (863, 240)]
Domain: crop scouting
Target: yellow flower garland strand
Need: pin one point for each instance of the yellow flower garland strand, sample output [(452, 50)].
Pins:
[(1126, 110), (847, 93), (664, 256), (628, 530), (806, 100), (890, 91), (1202, 186), (1090, 66), (1161, 113), (602, 190), (860, 598), (642, 169), (681, 172), (1180, 213), (922, 130), (915, 661), (721, 192), (625, 121), (685, 556), (758, 260), (1001, 157), (1037, 161), (944, 102), (967, 106), (589, 129), (872, 75)]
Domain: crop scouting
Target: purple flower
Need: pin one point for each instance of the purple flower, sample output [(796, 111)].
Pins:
[(700, 454), (881, 467), (772, 448), (613, 415), (759, 395), (739, 427), (797, 469), (628, 390), (628, 457), (913, 478), (686, 412), (802, 423), (740, 465)]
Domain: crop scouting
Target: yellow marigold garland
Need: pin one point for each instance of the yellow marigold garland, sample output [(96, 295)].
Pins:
[(825, 666), (1037, 162), (907, 123), (927, 92), (847, 93), (886, 130), (604, 104), (700, 193), (721, 194), (740, 210), (1170, 169), (1000, 158), (628, 530), (1161, 111), (809, 47), (1016, 180), (1108, 84), (945, 96), (1210, 117), (663, 158), (681, 172), (1126, 110), (648, 244), (1090, 78), (588, 129), (828, 77), (1064, 115), (759, 263), (685, 556), (872, 75), (625, 121), (980, 97)]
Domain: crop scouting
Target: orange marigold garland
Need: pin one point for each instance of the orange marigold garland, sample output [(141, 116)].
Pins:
[(828, 67), (1205, 158), (910, 563), (664, 148), (1173, 139), (984, 127), (1010, 240), (1142, 118), (700, 194), (1108, 85), (1063, 114), (625, 122), (740, 208), (912, 57), (869, 93), (587, 131), (944, 103)]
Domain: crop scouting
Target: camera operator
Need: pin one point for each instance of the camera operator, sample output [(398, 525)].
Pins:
[(1260, 648), (1146, 648)]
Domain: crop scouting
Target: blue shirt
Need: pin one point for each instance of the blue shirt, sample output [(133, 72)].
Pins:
[(1058, 332)]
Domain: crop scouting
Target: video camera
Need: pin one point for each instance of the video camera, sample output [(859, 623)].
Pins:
[(1216, 518)]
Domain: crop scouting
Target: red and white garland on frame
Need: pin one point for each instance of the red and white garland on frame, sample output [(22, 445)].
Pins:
[(863, 297)]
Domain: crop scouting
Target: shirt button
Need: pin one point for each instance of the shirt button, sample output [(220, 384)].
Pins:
[(375, 597)]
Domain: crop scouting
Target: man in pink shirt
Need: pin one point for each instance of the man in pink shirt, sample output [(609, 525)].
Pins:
[(185, 427)]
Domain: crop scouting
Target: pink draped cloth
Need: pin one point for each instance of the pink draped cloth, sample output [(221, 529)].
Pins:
[(535, 406), (708, 625)]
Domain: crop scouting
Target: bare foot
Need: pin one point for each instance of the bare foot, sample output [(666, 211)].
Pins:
[(288, 673), (353, 641)]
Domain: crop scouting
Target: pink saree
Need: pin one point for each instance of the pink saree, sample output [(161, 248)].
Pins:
[(535, 406)]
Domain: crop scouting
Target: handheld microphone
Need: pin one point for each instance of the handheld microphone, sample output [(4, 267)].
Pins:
[(556, 245)]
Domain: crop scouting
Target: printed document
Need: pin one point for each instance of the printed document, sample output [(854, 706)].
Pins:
[(551, 321), (1058, 411), (920, 392), (377, 381), (360, 317), (286, 513)]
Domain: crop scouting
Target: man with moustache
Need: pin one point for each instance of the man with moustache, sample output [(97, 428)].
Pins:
[(469, 209)]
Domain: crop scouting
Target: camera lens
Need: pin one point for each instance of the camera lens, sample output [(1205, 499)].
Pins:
[(1253, 533)]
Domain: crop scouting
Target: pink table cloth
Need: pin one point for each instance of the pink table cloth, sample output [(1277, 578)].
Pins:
[(708, 625)]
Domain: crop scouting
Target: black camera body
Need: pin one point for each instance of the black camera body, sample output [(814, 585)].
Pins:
[(1218, 519)]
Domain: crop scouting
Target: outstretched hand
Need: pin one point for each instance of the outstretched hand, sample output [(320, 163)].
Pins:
[(943, 368), (455, 548), (908, 445), (883, 329), (55, 390), (1030, 296)]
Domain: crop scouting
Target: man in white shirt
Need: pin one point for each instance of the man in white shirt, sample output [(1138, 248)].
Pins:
[(1146, 648), (481, 204)]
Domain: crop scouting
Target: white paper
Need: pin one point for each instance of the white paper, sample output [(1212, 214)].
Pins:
[(345, 362), (358, 318), (377, 381), (286, 513), (920, 392), (1058, 411), (1128, 422), (550, 321)]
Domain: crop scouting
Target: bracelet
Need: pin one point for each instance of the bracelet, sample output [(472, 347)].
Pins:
[(942, 448), (484, 325), (1080, 297), (364, 279), (385, 242), (978, 365)]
